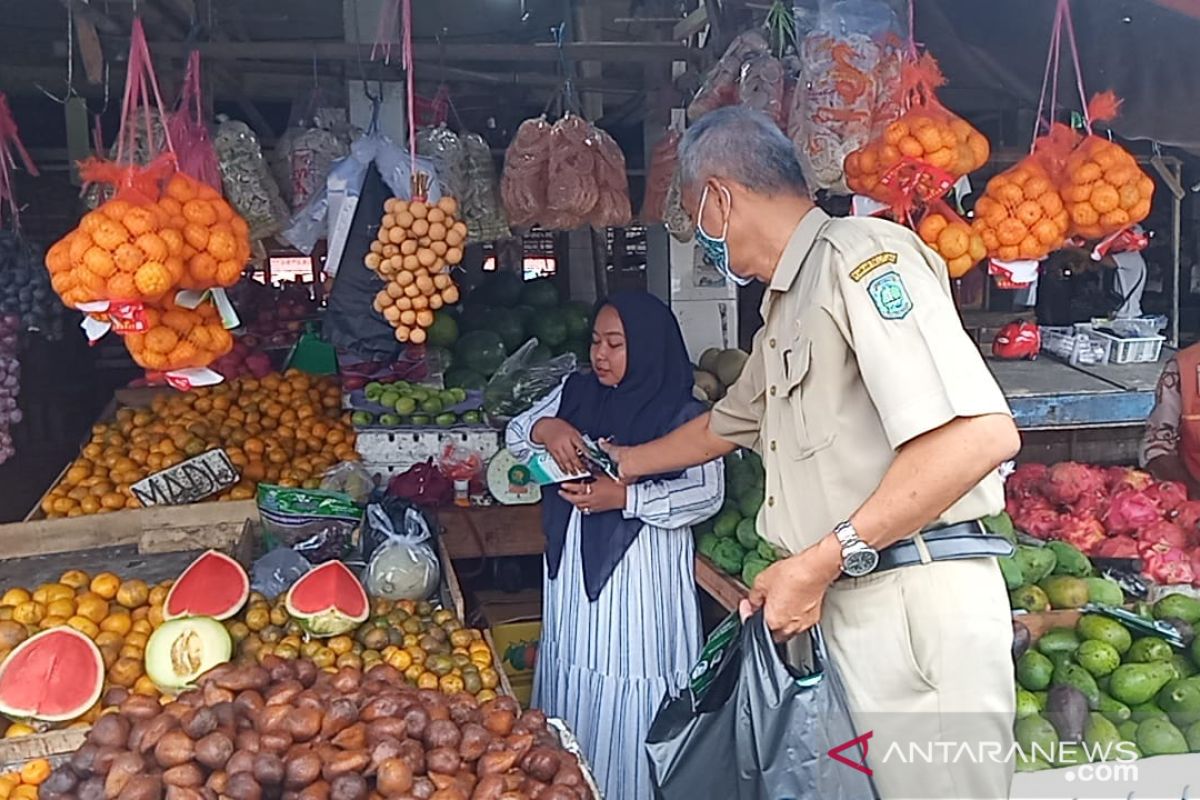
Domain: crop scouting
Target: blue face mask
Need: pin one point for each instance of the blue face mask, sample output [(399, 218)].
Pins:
[(716, 249)]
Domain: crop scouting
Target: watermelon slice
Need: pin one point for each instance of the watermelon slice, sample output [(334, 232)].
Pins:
[(328, 600), (53, 676), (214, 585)]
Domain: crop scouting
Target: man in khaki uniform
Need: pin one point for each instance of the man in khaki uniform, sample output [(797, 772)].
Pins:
[(877, 419)]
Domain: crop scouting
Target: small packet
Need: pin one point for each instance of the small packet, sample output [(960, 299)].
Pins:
[(319, 525)]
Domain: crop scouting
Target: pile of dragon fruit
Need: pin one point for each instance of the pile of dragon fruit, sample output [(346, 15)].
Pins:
[(1111, 512)]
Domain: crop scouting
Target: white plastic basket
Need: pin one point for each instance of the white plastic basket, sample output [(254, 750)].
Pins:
[(387, 452), (1075, 346), (1133, 350)]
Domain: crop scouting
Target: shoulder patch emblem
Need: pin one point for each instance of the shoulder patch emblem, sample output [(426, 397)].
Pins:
[(889, 296), (871, 264)]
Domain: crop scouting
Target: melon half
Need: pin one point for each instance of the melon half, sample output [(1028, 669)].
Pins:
[(181, 650), (53, 676), (214, 585), (328, 600)]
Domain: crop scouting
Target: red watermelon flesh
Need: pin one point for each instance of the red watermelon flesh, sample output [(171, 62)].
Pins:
[(56, 675), (214, 585), (328, 600)]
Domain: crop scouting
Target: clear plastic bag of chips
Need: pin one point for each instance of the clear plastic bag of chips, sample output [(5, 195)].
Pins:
[(523, 181), (480, 203), (249, 185), (445, 149)]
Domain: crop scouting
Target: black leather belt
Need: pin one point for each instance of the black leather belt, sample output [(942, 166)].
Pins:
[(947, 543)]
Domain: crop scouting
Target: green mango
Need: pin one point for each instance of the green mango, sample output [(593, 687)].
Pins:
[(1058, 640), (1042, 697), (1011, 570), (1134, 684), (1065, 591), (1036, 737), (1116, 711), (1070, 674), (1027, 704), (1149, 649), (1036, 562), (1158, 737), (1147, 710), (1183, 665), (1128, 730), (1098, 658), (1101, 737), (1178, 606), (1069, 560), (1193, 737), (1029, 598), (1071, 754), (1105, 629), (1104, 591), (1034, 671), (1196, 651), (1181, 700), (1025, 763), (1002, 525)]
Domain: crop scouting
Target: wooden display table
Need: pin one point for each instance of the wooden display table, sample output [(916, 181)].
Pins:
[(492, 531)]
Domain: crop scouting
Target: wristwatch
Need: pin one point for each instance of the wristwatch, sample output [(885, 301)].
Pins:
[(858, 557)]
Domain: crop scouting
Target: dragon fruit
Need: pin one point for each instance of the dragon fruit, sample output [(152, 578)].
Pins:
[(1091, 504), (1125, 478), (1167, 566), (1067, 481), (1196, 567), (1117, 547), (1165, 533), (1129, 512), (1026, 481), (1083, 533), (1038, 520), (1187, 516), (1168, 494)]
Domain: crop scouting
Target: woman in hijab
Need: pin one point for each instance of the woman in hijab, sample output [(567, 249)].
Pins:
[(621, 623)]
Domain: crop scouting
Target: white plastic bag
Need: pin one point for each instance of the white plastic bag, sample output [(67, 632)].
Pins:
[(405, 566)]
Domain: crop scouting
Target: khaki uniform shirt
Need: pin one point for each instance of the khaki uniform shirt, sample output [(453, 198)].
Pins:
[(861, 351)]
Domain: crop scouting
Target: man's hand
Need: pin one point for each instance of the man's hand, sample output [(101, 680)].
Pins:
[(791, 591), (616, 452), (602, 494)]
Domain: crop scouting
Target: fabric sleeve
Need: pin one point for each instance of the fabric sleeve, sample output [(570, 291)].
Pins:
[(518, 435), (737, 417), (1162, 428), (680, 502), (919, 366)]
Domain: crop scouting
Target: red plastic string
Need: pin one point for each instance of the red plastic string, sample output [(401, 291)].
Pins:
[(385, 30), (140, 85), (1062, 19), (10, 142)]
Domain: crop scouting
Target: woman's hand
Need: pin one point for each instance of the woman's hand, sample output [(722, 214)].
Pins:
[(602, 494), (562, 442)]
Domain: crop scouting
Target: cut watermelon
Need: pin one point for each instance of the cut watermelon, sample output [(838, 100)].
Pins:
[(328, 600), (53, 676), (214, 585)]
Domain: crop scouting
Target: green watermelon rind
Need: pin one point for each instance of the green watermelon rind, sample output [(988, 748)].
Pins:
[(328, 620), (14, 711)]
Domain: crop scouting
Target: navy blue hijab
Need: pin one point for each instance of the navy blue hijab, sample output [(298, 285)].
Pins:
[(654, 398)]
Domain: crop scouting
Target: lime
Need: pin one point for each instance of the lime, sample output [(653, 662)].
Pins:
[(446, 420), (431, 405), (405, 406)]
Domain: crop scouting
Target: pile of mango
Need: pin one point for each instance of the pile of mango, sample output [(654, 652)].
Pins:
[(731, 540), (1104, 691)]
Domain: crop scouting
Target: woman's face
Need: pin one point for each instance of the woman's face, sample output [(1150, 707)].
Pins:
[(608, 347)]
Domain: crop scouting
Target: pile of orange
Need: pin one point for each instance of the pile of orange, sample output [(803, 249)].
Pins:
[(190, 238), (178, 337), (1104, 189), (22, 784), (284, 428), (417, 245), (930, 137), (953, 239), (118, 615), (1021, 215)]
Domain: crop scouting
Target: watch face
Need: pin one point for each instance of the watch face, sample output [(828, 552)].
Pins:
[(860, 562)]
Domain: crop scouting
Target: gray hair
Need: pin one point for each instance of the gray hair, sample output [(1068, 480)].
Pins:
[(742, 145)]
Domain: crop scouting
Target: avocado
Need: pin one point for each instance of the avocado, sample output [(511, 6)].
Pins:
[(1183, 665), (1196, 651), (1128, 730), (1158, 737), (1058, 640), (1027, 704), (1034, 671), (1101, 737), (1036, 562), (1147, 710), (1105, 629), (1134, 684), (1067, 711), (1071, 754), (1180, 606), (1098, 658), (1029, 598), (1026, 763), (1041, 698), (1193, 737), (1036, 737), (1115, 710), (1011, 570), (726, 524), (1068, 673), (1065, 591), (1104, 591), (1181, 700), (1149, 649), (1069, 560)]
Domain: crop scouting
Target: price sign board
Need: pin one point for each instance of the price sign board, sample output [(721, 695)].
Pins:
[(188, 481)]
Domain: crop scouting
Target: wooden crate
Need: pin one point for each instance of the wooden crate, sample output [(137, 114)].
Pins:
[(53, 745)]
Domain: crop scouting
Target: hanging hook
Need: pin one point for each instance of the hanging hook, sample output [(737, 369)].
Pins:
[(70, 65)]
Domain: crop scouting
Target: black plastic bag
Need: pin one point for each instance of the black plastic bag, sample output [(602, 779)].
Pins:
[(748, 728)]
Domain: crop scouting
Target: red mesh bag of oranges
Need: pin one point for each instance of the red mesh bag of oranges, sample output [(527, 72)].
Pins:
[(1103, 187), (161, 232), (179, 338), (951, 237), (1021, 215), (921, 154)]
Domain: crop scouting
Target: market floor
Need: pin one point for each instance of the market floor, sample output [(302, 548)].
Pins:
[(62, 394)]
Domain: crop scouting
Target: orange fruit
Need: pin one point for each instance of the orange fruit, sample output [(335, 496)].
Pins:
[(133, 593), (92, 607)]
